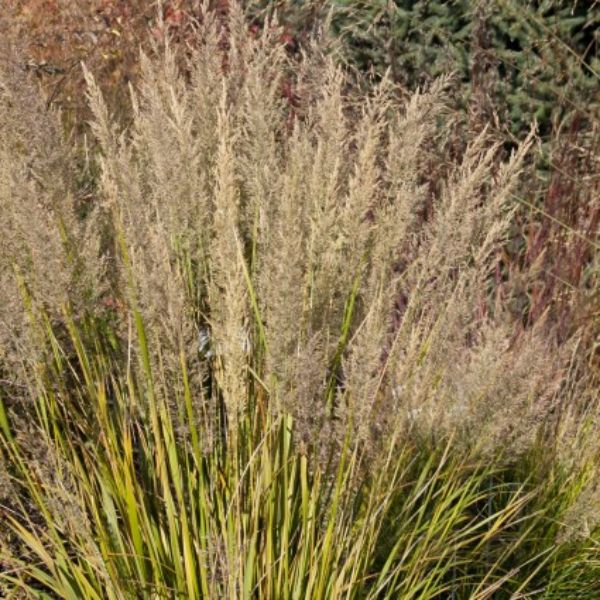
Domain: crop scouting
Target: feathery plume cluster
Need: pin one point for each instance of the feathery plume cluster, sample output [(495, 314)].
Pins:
[(325, 263), (49, 257), (293, 241)]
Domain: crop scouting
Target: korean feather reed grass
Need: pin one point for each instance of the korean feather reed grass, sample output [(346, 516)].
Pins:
[(267, 359)]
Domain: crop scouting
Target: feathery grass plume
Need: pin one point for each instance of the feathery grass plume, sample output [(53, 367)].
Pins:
[(46, 253), (325, 184), (304, 249), (227, 291), (282, 257), (395, 221), (445, 286), (150, 186)]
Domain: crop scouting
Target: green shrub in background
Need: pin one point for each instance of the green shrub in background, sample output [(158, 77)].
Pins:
[(535, 60)]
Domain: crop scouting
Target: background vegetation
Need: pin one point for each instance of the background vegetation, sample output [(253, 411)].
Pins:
[(275, 323)]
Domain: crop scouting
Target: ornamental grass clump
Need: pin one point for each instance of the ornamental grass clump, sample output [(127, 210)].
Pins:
[(281, 369)]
